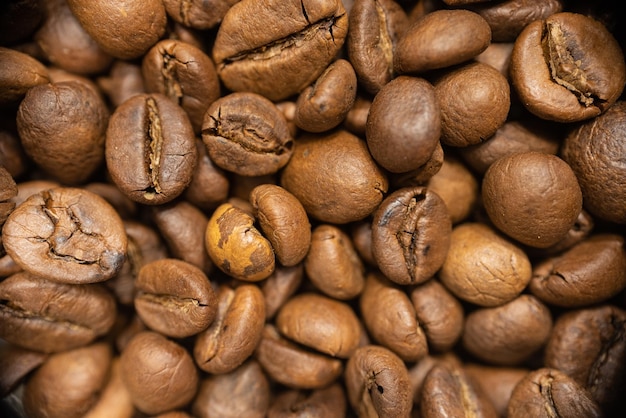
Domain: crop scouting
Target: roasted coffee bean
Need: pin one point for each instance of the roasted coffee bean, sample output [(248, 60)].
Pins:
[(280, 286), (377, 382), (324, 104), (421, 175), (236, 331), (236, 246), (294, 366), (8, 191), (567, 67), (449, 391), (12, 155), (247, 134), (441, 39), (532, 197), (150, 149), (185, 74), (209, 186), (404, 124), (78, 375), (439, 314), (123, 81), (123, 30), (589, 345), (328, 402), (508, 334), (19, 73), (594, 151), (334, 177), (419, 370), (321, 323), (591, 272), (332, 263), (361, 235), (390, 318), (45, 316), (496, 382), (283, 48), (66, 44), (475, 100), (411, 235), (498, 55), (547, 392), (284, 222), (126, 208), (243, 392), (198, 14), (483, 267), (16, 363), (174, 298), (114, 399), (66, 235)]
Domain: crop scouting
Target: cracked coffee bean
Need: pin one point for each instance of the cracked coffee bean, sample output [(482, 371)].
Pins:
[(150, 149), (66, 235), (411, 235), (283, 48)]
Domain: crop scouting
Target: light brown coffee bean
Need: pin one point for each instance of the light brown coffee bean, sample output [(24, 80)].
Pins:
[(328, 402)]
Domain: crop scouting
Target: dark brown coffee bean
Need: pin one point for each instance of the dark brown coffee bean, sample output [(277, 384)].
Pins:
[(328, 402), (332, 263), (441, 39), (283, 221), (513, 136), (496, 382), (294, 366), (18, 74), (404, 124), (334, 177), (449, 391), (174, 298), (150, 149), (8, 191), (532, 197), (589, 345), (478, 258), (324, 104), (591, 272), (235, 332), (183, 73), (594, 151), (547, 392), (361, 235), (457, 186), (247, 134), (123, 81), (498, 55), (198, 14), (356, 119), (508, 334), (236, 246), (12, 155), (45, 316), (16, 363), (182, 227), (114, 399), (320, 322), (66, 44), (420, 369), (507, 19), (283, 48), (62, 127), (421, 175), (375, 28), (581, 230), (377, 382), (390, 318), (66, 235), (122, 30), (475, 100), (280, 286), (411, 235), (124, 207), (567, 67), (158, 373), (68, 383), (439, 314), (209, 186), (243, 392)]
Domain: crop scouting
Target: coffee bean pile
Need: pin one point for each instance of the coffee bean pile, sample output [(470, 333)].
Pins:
[(312, 208)]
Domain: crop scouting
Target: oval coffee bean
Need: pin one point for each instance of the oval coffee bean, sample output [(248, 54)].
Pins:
[(174, 298), (283, 48), (411, 235), (236, 246), (67, 235), (235, 332), (284, 222), (328, 402), (377, 382), (45, 316), (20, 72)]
